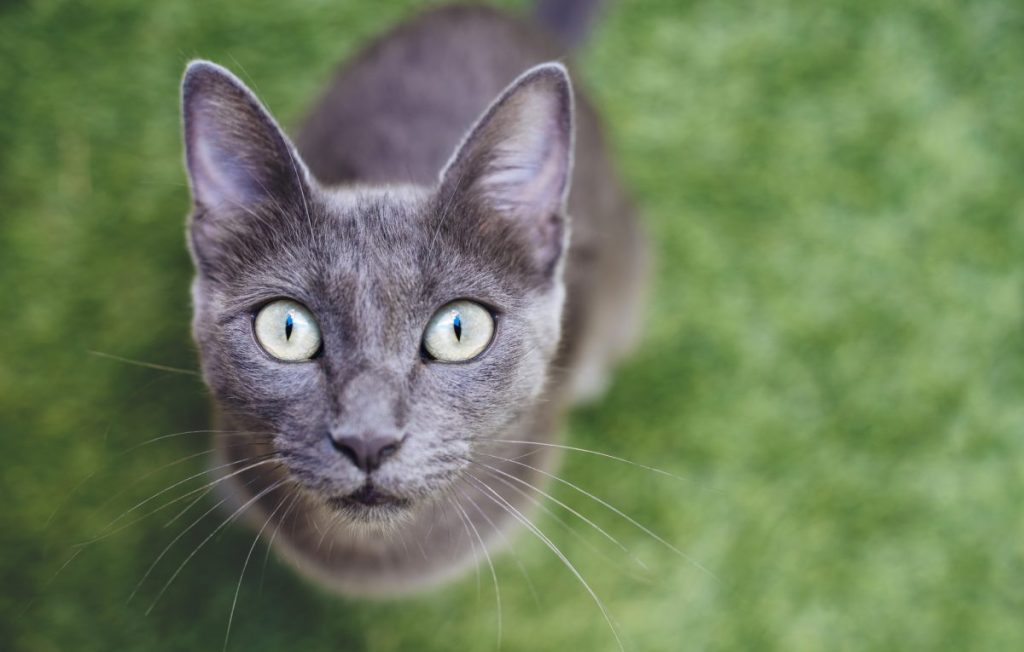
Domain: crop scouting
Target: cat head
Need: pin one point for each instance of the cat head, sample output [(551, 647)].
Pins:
[(377, 332)]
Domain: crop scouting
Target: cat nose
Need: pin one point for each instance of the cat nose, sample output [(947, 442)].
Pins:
[(367, 452)]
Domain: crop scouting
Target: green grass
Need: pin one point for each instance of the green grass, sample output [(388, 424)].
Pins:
[(834, 359)]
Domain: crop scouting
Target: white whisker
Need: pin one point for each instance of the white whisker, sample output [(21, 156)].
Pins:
[(202, 543), (245, 564), (168, 504), (216, 433), (167, 548), (588, 452), (476, 559), (277, 528), (568, 528), (181, 482), (140, 363), (508, 546), (150, 473), (561, 504), (618, 511), (515, 513), (490, 565), (181, 534)]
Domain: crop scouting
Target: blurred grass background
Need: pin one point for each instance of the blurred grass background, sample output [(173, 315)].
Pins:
[(834, 359)]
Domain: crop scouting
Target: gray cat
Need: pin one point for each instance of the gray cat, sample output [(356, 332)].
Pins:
[(391, 310)]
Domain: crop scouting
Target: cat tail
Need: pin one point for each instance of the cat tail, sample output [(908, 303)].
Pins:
[(570, 21)]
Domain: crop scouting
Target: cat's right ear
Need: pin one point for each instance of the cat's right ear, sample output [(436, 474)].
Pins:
[(517, 161), (238, 159)]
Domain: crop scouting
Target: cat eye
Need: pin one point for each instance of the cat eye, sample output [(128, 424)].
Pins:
[(287, 330), (458, 331)]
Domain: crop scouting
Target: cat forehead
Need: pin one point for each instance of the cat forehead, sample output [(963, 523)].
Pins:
[(344, 200), (399, 241), (397, 248), (388, 235), (374, 243), (399, 232), (368, 217)]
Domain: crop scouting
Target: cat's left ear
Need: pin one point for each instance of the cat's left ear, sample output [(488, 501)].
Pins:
[(237, 157), (517, 160)]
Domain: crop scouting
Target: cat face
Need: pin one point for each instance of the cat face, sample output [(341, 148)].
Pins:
[(377, 332)]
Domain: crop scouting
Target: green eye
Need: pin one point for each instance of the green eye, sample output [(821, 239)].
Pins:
[(287, 330), (458, 331)]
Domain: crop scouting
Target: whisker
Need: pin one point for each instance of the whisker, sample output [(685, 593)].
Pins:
[(561, 504), (181, 534), (181, 482), (245, 564), (301, 182), (515, 513), (444, 211), (328, 529), (508, 546), (168, 504), (472, 544), (167, 548), (423, 551), (270, 544), (187, 508), (405, 543), (202, 543), (490, 565), (574, 533), (56, 510), (216, 433), (140, 363), (618, 511), (588, 452), (81, 483), (78, 547), (151, 472), (49, 582), (330, 548)]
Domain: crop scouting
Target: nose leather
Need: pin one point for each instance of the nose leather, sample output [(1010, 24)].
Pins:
[(367, 452)]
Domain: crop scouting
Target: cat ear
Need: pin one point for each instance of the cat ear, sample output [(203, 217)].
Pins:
[(236, 155), (517, 159)]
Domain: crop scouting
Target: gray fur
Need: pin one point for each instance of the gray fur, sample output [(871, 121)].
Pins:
[(409, 201), (568, 20)]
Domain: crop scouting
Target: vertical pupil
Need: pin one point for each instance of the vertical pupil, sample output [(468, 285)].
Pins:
[(289, 324), (457, 325)]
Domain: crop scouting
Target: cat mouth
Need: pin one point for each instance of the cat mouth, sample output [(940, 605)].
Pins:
[(369, 500)]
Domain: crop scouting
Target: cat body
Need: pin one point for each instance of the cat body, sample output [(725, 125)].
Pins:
[(409, 187)]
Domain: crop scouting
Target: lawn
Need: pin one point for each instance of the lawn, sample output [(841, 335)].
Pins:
[(833, 362)]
